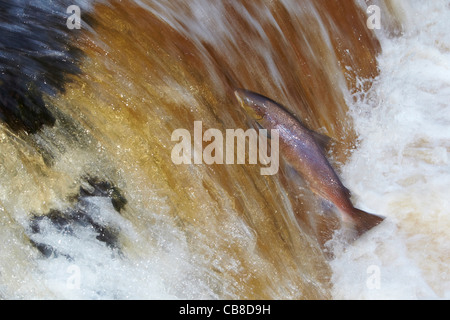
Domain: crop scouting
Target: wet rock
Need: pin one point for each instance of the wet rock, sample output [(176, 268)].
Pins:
[(83, 216)]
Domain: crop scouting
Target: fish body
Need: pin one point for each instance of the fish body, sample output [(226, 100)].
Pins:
[(303, 149)]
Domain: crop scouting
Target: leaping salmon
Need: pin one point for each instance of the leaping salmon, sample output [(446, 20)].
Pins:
[(303, 149)]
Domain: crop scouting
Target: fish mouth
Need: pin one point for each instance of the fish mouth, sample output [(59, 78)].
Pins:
[(241, 96)]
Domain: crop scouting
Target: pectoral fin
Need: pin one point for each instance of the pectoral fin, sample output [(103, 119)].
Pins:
[(263, 130)]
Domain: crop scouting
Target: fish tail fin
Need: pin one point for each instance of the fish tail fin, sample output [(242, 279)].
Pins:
[(361, 221)]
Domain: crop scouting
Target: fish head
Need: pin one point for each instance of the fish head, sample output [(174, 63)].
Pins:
[(253, 104)]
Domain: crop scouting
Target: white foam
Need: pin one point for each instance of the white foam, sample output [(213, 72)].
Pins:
[(85, 268), (401, 168)]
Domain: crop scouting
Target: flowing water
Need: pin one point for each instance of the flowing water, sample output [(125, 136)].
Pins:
[(92, 206), (401, 167)]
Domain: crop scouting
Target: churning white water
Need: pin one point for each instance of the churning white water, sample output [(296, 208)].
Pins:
[(401, 168)]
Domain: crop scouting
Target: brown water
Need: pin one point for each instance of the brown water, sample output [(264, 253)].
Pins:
[(220, 231)]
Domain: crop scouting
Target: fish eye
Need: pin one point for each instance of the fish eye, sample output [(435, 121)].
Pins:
[(249, 101)]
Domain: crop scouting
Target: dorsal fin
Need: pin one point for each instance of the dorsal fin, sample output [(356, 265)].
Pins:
[(322, 140)]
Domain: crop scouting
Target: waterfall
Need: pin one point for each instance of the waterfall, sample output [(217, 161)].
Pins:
[(93, 207)]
